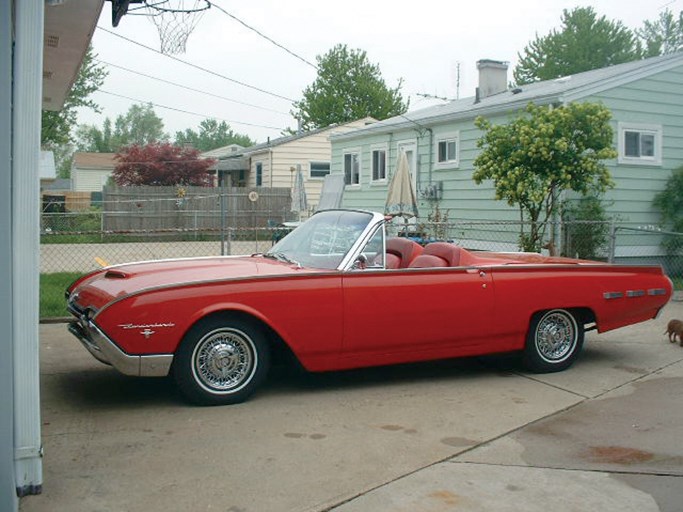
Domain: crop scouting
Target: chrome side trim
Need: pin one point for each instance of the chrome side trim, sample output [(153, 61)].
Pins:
[(106, 351), (635, 293), (656, 291), (613, 295)]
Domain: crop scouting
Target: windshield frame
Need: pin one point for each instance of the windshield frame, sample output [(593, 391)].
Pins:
[(347, 261)]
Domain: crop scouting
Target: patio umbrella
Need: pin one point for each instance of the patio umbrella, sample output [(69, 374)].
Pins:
[(401, 195), (299, 202)]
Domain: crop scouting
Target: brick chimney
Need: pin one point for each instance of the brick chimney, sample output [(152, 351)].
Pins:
[(493, 77)]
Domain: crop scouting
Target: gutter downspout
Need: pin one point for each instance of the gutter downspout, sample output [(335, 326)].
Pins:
[(8, 492), (25, 221), (270, 166), (431, 151)]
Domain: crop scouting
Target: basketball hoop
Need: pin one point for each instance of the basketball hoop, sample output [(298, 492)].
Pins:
[(175, 20)]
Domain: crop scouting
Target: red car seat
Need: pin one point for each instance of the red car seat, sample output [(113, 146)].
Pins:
[(401, 252)]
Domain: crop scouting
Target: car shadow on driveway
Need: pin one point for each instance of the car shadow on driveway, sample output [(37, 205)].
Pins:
[(105, 388)]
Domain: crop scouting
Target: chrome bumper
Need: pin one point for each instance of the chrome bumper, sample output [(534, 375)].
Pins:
[(106, 351)]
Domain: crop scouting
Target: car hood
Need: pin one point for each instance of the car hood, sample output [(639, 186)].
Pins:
[(99, 288)]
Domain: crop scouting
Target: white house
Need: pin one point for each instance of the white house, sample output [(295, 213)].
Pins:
[(275, 162), (91, 171)]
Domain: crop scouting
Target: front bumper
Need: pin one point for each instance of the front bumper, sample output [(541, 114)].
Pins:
[(106, 351)]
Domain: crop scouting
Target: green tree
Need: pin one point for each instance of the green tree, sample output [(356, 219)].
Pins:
[(212, 135), (56, 125), (542, 152), (669, 202), (63, 154), (90, 138), (663, 36), (583, 43), (348, 87), (140, 125)]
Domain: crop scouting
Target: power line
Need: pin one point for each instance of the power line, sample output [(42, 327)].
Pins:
[(666, 5), (264, 36), (243, 84), (191, 88), (187, 111), (432, 96)]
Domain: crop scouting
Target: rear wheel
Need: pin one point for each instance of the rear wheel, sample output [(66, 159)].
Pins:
[(221, 361), (554, 341)]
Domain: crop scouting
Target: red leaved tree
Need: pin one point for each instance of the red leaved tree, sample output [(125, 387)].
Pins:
[(161, 164)]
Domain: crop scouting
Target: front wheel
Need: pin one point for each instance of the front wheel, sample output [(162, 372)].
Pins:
[(221, 362), (554, 341)]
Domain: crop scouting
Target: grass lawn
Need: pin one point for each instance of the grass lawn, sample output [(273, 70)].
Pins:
[(52, 286)]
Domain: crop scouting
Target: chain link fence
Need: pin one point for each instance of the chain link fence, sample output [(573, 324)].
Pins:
[(74, 242), (612, 242), (78, 242)]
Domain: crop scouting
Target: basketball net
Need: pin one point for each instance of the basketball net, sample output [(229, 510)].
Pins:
[(175, 20)]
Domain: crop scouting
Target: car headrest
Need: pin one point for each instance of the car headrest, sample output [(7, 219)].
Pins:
[(428, 261), (449, 252), (392, 261), (405, 249)]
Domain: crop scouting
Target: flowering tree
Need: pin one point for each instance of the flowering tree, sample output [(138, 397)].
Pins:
[(161, 164), (542, 152)]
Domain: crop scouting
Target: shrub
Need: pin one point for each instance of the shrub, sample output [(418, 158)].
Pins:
[(669, 202), (586, 228)]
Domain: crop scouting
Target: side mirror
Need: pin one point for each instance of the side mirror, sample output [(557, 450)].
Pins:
[(361, 262)]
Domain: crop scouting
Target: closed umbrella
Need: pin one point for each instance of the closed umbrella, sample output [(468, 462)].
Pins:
[(401, 195), (299, 201)]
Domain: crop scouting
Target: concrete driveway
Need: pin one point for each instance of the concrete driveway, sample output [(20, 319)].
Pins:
[(466, 435)]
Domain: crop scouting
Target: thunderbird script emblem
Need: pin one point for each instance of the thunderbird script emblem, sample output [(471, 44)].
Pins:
[(146, 330)]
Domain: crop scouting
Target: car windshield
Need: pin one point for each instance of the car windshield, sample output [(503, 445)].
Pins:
[(323, 240)]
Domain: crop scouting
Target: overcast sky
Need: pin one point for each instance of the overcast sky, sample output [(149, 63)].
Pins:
[(421, 43)]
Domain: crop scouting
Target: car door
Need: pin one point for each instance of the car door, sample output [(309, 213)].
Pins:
[(412, 314)]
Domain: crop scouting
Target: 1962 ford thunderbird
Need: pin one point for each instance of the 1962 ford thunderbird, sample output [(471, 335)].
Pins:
[(336, 293)]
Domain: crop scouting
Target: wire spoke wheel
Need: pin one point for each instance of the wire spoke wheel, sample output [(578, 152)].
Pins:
[(224, 360), (554, 341), (556, 336), (221, 360)]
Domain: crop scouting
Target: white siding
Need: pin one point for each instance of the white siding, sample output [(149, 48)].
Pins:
[(89, 180), (264, 159), (302, 151)]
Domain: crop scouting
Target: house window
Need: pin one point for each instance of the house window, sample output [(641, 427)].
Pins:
[(351, 169), (259, 174), (447, 150), (640, 144), (320, 169), (379, 165)]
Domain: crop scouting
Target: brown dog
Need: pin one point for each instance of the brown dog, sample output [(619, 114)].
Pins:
[(673, 329)]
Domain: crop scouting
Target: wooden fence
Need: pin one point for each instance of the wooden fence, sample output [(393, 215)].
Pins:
[(150, 208)]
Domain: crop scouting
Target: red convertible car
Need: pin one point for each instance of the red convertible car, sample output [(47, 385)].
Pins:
[(336, 293)]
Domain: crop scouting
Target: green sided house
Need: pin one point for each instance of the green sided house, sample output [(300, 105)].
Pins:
[(646, 100)]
